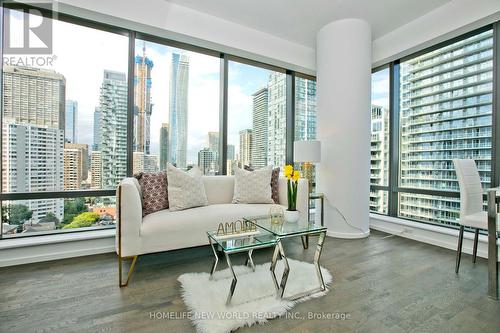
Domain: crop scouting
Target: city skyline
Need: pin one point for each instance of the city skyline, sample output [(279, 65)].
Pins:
[(87, 125)]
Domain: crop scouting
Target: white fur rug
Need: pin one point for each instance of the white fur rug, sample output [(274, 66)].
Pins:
[(254, 299)]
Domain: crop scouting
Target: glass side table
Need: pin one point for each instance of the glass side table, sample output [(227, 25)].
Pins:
[(288, 230), (238, 243), (321, 198)]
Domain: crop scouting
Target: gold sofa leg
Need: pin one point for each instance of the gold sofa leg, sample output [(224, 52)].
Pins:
[(130, 271)]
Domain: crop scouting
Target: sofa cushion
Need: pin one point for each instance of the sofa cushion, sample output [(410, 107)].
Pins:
[(153, 189), (188, 227), (274, 182), (185, 189), (219, 189), (252, 186)]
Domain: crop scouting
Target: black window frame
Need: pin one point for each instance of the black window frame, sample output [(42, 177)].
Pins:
[(133, 35), (394, 189)]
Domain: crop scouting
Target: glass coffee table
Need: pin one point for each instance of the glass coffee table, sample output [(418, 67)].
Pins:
[(238, 243), (285, 230)]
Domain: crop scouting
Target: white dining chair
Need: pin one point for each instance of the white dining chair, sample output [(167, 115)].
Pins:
[(471, 204)]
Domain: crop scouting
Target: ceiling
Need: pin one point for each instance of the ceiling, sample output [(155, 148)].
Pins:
[(299, 20)]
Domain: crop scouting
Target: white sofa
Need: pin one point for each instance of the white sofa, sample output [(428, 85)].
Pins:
[(166, 230)]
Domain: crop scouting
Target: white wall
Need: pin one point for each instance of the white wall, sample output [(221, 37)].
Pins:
[(443, 23), (187, 25)]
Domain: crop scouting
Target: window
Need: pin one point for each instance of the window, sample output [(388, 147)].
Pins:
[(305, 109), (445, 113), (69, 134), (379, 150), (47, 216), (305, 122), (256, 117), (176, 109), (64, 126)]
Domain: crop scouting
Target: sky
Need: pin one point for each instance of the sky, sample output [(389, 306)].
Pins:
[(380, 88), (82, 54)]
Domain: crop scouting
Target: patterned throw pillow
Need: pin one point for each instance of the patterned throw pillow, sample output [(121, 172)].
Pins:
[(185, 189), (274, 183), (252, 186), (154, 189)]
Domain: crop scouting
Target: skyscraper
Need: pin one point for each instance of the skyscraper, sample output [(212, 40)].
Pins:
[(206, 161), (150, 163), (276, 138), (213, 145), (84, 148), (71, 121), (25, 88), (231, 161), (164, 145), (379, 166), (72, 168), (138, 162), (230, 152), (305, 109), (213, 141), (259, 133), (33, 136), (143, 107), (179, 79), (113, 105), (97, 129), (245, 147), (96, 170), (445, 113), (33, 161)]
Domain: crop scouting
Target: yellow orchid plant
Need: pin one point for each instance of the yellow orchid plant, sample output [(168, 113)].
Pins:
[(293, 179)]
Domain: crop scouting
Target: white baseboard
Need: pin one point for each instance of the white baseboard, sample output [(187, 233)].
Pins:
[(44, 248), (37, 249), (430, 234), (348, 235)]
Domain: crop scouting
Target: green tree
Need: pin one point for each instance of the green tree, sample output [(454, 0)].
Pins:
[(16, 214), (83, 220), (50, 217), (72, 208)]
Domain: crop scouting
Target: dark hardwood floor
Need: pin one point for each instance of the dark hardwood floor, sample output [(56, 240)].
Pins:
[(384, 283)]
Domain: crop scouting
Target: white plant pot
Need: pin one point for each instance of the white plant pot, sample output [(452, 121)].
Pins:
[(292, 216)]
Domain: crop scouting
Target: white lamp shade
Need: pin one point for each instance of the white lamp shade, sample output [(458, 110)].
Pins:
[(307, 151)]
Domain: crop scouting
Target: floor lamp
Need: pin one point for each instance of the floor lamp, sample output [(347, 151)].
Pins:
[(307, 152)]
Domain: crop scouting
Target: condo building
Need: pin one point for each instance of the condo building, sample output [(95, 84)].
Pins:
[(71, 120), (446, 113), (179, 79), (379, 151), (207, 159), (113, 107), (305, 109), (143, 107), (164, 145), (33, 136), (33, 96), (259, 134), (96, 170), (72, 168), (97, 129), (276, 137), (246, 142)]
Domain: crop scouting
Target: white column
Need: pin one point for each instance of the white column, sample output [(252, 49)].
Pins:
[(343, 60)]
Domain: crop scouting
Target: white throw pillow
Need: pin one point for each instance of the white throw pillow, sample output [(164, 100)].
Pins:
[(252, 186), (185, 189)]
